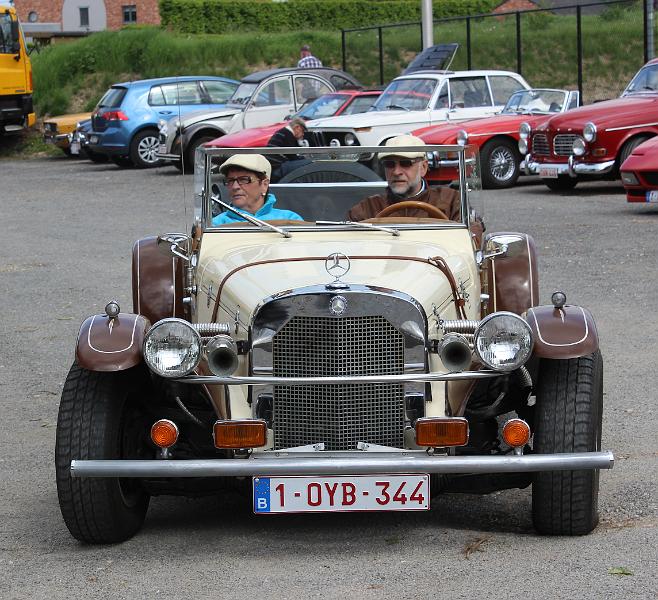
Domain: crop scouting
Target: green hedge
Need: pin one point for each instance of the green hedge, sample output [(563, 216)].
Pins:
[(228, 16)]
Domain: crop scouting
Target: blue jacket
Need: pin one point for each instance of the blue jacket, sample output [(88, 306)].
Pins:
[(267, 212)]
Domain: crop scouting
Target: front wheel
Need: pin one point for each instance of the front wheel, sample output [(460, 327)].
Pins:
[(500, 164), (99, 419), (568, 418), (562, 183)]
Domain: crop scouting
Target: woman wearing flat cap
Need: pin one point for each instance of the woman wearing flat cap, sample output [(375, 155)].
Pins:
[(247, 181)]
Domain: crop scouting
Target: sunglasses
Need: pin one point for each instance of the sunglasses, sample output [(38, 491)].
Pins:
[(405, 163), (242, 180)]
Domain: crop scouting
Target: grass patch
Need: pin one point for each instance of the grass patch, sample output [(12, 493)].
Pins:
[(26, 144)]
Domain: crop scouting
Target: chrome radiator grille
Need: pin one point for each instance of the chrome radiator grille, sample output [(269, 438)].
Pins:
[(563, 144), (540, 145), (338, 415)]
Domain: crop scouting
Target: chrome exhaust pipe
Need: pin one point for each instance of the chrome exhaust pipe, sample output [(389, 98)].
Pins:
[(455, 352), (222, 355)]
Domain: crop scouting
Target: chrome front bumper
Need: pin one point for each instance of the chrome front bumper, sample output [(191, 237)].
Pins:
[(570, 168), (336, 464)]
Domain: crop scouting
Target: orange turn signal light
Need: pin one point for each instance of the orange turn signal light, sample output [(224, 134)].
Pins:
[(248, 433), (164, 433), (441, 431), (516, 433)]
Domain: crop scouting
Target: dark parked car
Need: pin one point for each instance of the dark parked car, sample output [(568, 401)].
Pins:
[(125, 121)]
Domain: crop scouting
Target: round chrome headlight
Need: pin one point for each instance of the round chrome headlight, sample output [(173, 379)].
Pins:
[(525, 129), (579, 147), (172, 348), (523, 146), (589, 132), (350, 140), (462, 137), (334, 142), (503, 341)]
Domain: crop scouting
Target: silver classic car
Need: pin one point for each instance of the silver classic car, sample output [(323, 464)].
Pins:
[(332, 365)]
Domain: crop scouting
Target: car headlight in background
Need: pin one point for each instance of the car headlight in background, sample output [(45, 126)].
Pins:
[(172, 348), (589, 132), (503, 341), (629, 178), (462, 137), (579, 147), (525, 129), (163, 126), (350, 140), (523, 146)]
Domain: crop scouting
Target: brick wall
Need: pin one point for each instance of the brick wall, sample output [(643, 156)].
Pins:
[(147, 12), (48, 11), (512, 5)]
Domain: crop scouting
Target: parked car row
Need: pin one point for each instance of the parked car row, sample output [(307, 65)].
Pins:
[(516, 129)]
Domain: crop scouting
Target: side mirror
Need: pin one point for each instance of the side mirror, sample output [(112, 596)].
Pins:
[(15, 37)]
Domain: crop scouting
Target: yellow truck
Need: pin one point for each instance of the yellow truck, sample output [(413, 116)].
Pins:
[(16, 110)]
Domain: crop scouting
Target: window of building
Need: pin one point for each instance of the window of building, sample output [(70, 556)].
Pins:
[(129, 13), (84, 16)]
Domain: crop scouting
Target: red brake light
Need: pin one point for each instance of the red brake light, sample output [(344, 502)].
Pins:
[(115, 115)]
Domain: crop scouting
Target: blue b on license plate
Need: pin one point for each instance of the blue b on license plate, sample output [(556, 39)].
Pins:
[(344, 493), (652, 196)]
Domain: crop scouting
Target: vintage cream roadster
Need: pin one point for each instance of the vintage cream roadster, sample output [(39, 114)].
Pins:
[(326, 365)]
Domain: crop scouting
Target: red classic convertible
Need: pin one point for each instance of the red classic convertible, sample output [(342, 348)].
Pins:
[(343, 102), (639, 173), (592, 142), (497, 136)]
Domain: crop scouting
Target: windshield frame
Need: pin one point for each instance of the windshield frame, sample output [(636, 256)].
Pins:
[(629, 91), (203, 183), (539, 91), (392, 88), (243, 84)]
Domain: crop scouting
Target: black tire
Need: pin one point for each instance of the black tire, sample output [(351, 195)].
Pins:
[(98, 419), (191, 150), (122, 161), (628, 148), (568, 416), (144, 149), (500, 164), (563, 183)]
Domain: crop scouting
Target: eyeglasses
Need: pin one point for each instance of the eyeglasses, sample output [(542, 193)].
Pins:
[(405, 163), (242, 180)]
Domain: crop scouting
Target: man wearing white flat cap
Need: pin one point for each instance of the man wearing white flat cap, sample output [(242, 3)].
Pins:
[(405, 171)]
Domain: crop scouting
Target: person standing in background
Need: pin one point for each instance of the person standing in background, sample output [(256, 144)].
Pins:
[(307, 60)]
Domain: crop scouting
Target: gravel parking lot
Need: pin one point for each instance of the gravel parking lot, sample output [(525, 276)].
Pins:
[(68, 229)]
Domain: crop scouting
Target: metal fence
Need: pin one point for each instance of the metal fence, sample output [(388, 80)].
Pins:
[(595, 48)]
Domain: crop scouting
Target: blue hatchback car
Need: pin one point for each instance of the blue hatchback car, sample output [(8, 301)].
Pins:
[(125, 121)]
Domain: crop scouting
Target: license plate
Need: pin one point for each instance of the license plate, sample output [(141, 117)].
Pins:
[(652, 196), (163, 149), (344, 493), (75, 148), (548, 172), (93, 139)]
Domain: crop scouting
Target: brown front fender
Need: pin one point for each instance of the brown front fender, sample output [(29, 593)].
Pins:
[(106, 344), (567, 332)]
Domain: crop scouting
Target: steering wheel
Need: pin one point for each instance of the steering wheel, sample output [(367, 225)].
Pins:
[(430, 209)]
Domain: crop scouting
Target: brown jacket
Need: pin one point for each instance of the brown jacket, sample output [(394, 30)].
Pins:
[(444, 198)]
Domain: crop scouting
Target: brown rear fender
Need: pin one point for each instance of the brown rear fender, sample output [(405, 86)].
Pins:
[(106, 344), (567, 332), (157, 282), (511, 279)]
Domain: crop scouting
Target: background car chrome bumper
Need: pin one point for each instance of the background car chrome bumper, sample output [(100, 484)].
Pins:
[(571, 168), (337, 465)]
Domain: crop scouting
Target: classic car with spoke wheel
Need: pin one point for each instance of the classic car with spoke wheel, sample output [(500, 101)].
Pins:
[(591, 142), (329, 365), (497, 137)]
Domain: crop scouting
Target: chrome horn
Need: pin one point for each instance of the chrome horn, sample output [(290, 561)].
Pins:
[(222, 355), (455, 352)]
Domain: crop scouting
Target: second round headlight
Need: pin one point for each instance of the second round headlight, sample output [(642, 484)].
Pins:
[(172, 348), (503, 341), (579, 147), (589, 132)]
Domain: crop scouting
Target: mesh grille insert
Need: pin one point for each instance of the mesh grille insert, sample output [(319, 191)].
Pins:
[(338, 415)]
